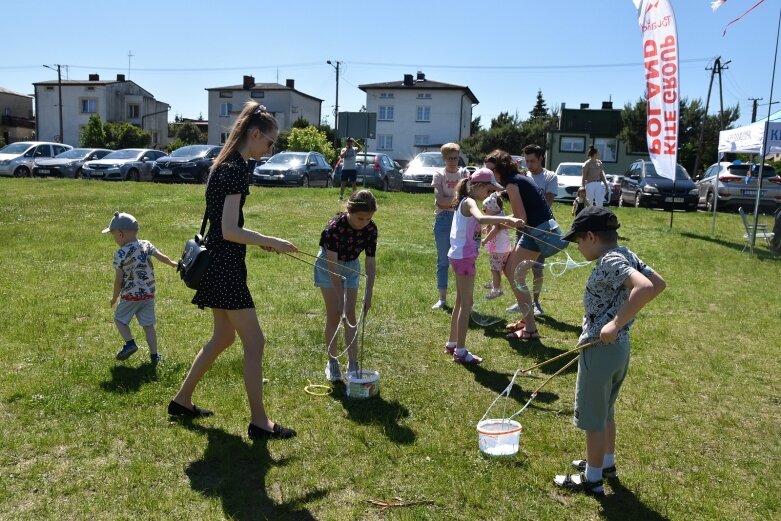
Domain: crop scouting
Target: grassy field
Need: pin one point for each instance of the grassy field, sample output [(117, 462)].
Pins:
[(85, 437)]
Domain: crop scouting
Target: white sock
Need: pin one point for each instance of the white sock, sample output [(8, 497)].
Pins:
[(593, 473), (609, 460)]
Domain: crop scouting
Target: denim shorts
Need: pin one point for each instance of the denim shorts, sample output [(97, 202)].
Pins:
[(546, 238), (351, 270), (144, 310)]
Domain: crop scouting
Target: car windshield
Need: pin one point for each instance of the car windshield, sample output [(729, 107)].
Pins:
[(287, 159), (742, 170), (430, 160), (680, 172), (190, 151), (74, 153), (16, 148), (570, 170), (129, 153)]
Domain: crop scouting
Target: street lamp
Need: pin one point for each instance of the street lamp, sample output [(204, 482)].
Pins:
[(59, 89), (336, 109)]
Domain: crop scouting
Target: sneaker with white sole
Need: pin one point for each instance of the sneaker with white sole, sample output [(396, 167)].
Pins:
[(332, 371), (439, 304), (128, 349), (538, 312), (494, 293), (514, 308), (607, 472)]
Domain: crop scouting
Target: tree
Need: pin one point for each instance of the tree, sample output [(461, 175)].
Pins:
[(310, 139), (189, 134), (540, 110), (475, 126), (173, 145), (124, 135), (93, 135), (301, 122)]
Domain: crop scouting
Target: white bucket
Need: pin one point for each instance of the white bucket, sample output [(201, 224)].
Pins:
[(499, 437), (363, 387)]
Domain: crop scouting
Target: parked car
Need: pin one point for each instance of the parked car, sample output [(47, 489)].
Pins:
[(189, 163), (570, 176), (68, 163), (734, 187), (642, 186), (293, 169), (419, 173), (375, 170), (18, 159), (128, 164), (614, 182)]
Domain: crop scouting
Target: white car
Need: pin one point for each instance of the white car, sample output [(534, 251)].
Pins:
[(18, 159), (570, 176)]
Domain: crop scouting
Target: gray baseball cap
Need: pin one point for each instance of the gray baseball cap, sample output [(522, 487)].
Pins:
[(122, 221)]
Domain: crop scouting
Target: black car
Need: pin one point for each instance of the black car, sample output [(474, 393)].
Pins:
[(293, 169), (642, 186), (190, 163), (68, 163)]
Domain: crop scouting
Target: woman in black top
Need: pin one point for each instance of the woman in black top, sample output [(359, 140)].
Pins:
[(224, 285), (527, 204)]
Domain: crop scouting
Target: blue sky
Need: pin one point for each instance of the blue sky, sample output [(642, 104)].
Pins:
[(574, 51)]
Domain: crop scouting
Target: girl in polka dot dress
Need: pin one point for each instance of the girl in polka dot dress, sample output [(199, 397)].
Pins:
[(224, 285)]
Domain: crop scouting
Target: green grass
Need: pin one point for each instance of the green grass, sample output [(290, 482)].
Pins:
[(85, 437)]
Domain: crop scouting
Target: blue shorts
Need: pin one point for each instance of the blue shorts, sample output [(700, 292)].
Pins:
[(351, 270), (545, 238), (349, 176)]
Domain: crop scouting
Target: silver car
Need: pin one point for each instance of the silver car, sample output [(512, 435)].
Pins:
[(128, 164), (734, 187), (18, 159), (67, 164), (420, 172)]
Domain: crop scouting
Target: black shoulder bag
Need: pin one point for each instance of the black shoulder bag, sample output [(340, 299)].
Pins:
[(195, 258)]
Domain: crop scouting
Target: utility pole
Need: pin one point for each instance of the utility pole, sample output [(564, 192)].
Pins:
[(59, 92), (336, 109), (754, 108), (716, 65), (129, 55)]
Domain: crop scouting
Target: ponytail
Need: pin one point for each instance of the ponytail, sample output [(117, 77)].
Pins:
[(254, 115), (462, 191)]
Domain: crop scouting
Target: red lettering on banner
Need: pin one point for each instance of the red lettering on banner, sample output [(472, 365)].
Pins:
[(649, 48)]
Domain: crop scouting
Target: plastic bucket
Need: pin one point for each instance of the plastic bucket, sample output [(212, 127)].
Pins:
[(364, 385), (499, 437)]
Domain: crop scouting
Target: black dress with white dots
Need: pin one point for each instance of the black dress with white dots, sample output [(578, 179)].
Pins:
[(224, 285)]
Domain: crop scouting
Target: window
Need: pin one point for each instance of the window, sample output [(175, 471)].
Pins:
[(385, 113), (223, 137), (423, 114), (608, 148), (421, 139), (89, 106), (385, 142), (133, 110), (572, 144), (386, 95), (49, 88), (258, 94), (424, 95), (226, 94), (225, 109)]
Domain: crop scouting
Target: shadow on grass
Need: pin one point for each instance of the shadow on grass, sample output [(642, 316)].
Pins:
[(558, 325), (623, 504), (127, 379), (738, 246), (377, 411), (498, 382), (235, 472)]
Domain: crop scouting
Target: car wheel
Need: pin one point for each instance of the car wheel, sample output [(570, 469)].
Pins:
[(305, 181), (77, 174), (638, 199), (385, 185), (22, 171), (202, 176), (328, 182), (133, 175), (709, 202)]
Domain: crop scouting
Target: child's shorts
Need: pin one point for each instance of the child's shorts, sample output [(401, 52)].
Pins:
[(144, 310), (464, 267), (499, 260), (351, 270), (601, 371)]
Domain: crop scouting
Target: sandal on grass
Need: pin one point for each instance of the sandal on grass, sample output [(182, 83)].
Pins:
[(607, 472), (516, 326), (467, 358), (579, 483), (524, 334)]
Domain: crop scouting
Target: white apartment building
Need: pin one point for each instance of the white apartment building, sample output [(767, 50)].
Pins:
[(284, 101), (416, 115), (113, 100)]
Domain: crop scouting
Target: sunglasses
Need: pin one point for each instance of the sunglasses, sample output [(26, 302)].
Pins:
[(270, 141)]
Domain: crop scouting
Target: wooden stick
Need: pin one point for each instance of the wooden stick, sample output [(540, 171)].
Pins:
[(554, 374), (562, 355)]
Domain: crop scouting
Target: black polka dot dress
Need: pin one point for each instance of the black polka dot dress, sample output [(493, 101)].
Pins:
[(224, 285)]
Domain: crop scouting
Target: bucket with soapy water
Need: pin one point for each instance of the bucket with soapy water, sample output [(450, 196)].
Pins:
[(499, 437), (362, 384)]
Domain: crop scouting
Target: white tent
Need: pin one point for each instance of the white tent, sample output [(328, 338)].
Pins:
[(760, 138)]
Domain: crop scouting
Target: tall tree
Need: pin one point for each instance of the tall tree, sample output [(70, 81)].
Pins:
[(474, 127), (93, 135), (310, 139), (189, 134), (540, 110)]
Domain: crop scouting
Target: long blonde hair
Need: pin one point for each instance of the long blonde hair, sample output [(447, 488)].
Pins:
[(254, 115)]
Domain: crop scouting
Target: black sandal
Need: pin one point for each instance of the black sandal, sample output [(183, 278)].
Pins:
[(277, 433), (581, 485), (177, 409), (607, 472)]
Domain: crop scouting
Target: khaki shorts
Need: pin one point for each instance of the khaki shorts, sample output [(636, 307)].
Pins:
[(601, 371), (143, 309)]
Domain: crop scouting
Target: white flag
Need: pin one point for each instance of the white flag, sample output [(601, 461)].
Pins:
[(717, 3), (660, 57)]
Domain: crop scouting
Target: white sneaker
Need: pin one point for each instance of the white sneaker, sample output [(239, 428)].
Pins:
[(494, 293), (439, 304), (332, 371), (538, 312), (514, 308)]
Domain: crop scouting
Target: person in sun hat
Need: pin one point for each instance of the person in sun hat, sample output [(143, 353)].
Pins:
[(134, 284), (619, 287)]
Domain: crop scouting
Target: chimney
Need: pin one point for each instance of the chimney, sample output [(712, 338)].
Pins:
[(120, 77), (248, 82), (607, 105), (290, 84), (584, 106), (94, 77), (421, 76), (408, 80)]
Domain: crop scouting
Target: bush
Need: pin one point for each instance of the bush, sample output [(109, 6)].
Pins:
[(309, 138), (93, 135), (124, 135), (173, 145)]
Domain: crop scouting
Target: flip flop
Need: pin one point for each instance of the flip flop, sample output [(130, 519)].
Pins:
[(516, 326), (523, 334)]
